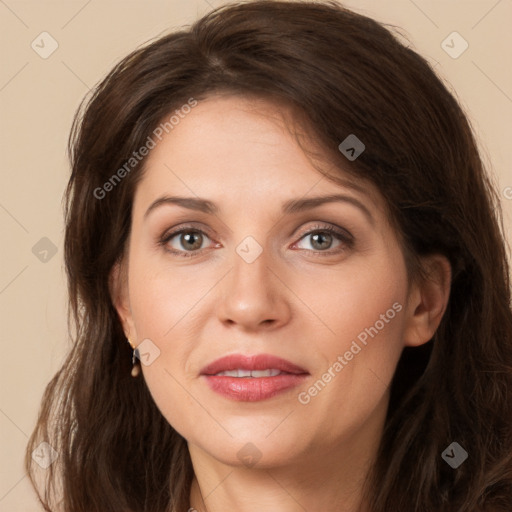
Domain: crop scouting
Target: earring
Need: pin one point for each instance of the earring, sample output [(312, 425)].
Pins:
[(135, 364)]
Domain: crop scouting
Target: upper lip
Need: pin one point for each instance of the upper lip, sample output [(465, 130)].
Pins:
[(251, 362)]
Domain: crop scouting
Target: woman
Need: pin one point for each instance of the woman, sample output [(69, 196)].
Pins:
[(283, 211)]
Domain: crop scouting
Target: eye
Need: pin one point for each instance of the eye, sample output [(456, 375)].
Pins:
[(322, 238), (188, 241)]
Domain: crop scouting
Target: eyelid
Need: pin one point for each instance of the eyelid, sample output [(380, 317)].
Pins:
[(326, 227), (190, 226)]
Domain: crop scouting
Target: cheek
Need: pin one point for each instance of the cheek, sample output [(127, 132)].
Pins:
[(354, 299), (186, 414), (161, 297), (363, 309), (162, 304)]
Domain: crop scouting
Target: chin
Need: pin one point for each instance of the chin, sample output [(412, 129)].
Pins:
[(250, 449)]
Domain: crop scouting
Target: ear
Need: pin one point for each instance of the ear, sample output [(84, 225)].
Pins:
[(118, 287), (427, 301)]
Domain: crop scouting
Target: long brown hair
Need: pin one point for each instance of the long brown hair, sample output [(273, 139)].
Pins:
[(344, 74)]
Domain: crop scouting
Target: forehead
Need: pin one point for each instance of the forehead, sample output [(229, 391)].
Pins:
[(231, 148)]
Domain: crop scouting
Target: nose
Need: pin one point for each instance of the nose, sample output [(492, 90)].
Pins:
[(253, 295)]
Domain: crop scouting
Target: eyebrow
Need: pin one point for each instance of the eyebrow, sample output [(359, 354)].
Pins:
[(289, 207)]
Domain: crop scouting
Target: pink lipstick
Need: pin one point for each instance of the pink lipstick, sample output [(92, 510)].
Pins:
[(252, 378)]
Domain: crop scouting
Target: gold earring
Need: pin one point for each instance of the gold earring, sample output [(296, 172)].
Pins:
[(135, 356)]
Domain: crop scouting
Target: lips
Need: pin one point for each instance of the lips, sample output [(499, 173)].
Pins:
[(252, 378), (252, 363)]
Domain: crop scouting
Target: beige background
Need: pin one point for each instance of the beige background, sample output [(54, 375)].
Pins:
[(39, 96)]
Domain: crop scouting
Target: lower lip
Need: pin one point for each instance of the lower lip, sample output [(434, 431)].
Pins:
[(247, 389)]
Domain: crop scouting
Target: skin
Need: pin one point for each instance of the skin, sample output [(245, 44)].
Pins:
[(294, 301)]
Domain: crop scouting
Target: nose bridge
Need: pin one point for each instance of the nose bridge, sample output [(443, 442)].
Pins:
[(252, 293), (251, 274)]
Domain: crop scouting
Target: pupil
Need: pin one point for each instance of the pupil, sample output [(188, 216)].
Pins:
[(188, 238), (319, 236)]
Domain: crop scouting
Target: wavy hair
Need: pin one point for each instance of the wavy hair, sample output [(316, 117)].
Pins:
[(343, 73)]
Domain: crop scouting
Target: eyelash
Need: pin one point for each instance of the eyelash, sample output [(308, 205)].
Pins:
[(346, 238)]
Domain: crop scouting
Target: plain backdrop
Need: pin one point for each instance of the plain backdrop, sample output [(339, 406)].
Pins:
[(39, 94)]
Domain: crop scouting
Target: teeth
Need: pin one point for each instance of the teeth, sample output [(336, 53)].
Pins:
[(264, 373), (249, 373)]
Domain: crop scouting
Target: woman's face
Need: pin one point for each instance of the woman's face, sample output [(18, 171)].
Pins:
[(255, 273)]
